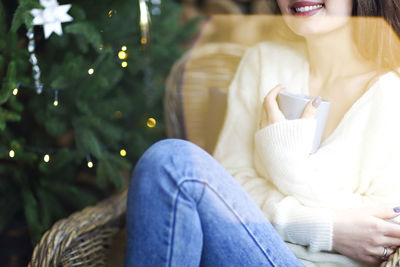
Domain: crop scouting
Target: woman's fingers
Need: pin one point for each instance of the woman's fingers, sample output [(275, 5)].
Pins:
[(274, 114), (361, 233), (384, 212), (271, 108), (387, 228), (264, 119), (388, 241), (391, 229), (310, 111), (270, 104)]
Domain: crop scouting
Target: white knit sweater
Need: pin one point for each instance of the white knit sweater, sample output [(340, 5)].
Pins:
[(356, 166)]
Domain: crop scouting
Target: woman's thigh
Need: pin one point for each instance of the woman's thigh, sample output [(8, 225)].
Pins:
[(200, 211)]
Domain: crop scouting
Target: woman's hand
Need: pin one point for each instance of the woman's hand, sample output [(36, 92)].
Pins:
[(363, 234), (271, 112)]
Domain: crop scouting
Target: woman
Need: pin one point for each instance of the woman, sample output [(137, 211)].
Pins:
[(330, 208)]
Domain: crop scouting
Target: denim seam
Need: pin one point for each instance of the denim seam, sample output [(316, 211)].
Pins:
[(241, 221), (170, 251), (205, 183)]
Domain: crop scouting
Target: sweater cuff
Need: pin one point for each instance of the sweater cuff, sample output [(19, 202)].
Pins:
[(312, 227), (317, 227), (287, 137)]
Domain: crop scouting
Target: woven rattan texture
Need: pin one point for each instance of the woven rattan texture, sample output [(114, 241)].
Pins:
[(173, 106), (393, 261), (209, 66), (83, 238)]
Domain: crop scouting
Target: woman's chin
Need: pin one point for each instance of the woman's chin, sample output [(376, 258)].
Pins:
[(315, 25)]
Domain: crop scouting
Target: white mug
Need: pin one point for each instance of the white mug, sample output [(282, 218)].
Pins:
[(292, 106)]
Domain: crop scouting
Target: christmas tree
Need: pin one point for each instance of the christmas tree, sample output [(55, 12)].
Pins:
[(79, 107)]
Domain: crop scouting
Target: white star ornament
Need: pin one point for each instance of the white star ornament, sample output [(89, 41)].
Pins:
[(51, 16)]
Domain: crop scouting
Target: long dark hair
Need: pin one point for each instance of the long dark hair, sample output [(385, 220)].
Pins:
[(375, 39)]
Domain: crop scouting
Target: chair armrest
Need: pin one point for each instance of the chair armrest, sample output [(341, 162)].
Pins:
[(82, 239)]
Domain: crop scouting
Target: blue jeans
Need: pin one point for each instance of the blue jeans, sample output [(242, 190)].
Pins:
[(184, 209)]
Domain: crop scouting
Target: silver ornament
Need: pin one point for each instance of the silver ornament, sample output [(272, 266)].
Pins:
[(36, 75), (36, 69), (39, 87), (29, 34), (31, 46), (33, 59)]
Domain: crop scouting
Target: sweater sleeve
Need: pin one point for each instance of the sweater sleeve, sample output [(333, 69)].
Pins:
[(284, 147), (294, 221), (284, 150)]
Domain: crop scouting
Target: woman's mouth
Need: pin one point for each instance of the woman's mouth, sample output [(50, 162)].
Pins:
[(306, 8)]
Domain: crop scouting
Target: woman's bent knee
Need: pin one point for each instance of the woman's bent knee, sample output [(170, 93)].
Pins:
[(163, 151), (165, 166), (164, 154), (170, 146)]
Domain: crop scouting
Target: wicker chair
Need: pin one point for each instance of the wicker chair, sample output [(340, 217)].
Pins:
[(194, 110)]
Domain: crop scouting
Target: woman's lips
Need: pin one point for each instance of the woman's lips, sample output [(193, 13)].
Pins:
[(306, 8)]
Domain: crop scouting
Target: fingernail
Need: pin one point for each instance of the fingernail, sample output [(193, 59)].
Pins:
[(396, 209), (316, 101)]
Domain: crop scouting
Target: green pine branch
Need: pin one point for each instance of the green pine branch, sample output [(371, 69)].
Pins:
[(96, 115)]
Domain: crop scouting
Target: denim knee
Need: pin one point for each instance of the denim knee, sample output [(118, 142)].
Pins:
[(166, 164), (166, 146), (164, 152)]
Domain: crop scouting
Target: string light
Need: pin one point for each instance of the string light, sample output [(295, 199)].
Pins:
[(122, 55), (55, 103), (118, 114), (145, 23), (47, 157), (89, 160), (111, 13), (151, 123), (39, 87)]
